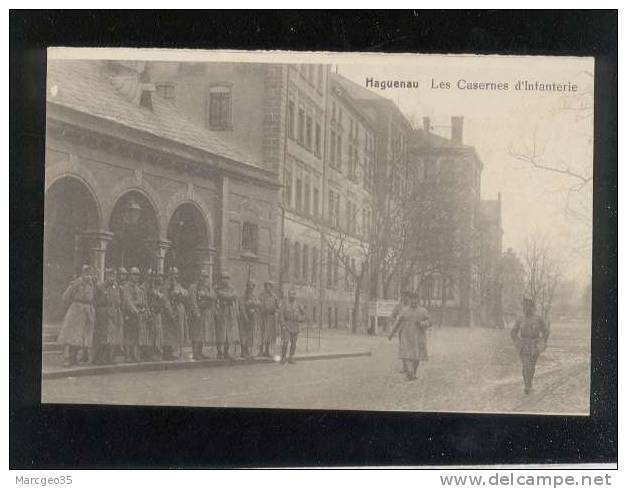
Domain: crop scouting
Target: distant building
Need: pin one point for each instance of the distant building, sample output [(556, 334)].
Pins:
[(512, 279), (491, 283), (446, 179)]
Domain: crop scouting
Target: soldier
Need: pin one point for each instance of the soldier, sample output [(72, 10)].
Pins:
[(122, 280), (175, 334), (269, 306), (227, 331), (202, 322), (248, 310), (147, 329), (78, 324), (108, 330), (134, 307), (412, 321), (157, 307), (530, 335), (291, 315)]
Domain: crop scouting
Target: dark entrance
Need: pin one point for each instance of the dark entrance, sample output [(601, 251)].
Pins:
[(134, 224), (188, 234), (70, 211)]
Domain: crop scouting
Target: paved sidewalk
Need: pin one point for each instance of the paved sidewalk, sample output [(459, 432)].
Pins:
[(313, 344)]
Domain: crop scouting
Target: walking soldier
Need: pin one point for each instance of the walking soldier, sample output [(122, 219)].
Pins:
[(175, 333), (269, 305), (78, 324), (134, 307), (412, 322), (227, 331), (108, 330), (202, 322), (290, 316), (248, 309), (530, 334)]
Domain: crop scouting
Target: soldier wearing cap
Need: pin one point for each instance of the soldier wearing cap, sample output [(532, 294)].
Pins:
[(108, 330), (157, 308), (202, 322), (269, 307), (530, 334), (134, 308), (248, 311), (227, 331), (176, 331), (78, 324), (291, 315), (411, 322)]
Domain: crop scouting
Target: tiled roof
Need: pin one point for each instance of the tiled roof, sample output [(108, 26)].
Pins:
[(86, 86)]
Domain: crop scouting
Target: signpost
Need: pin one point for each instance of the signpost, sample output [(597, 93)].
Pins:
[(381, 308)]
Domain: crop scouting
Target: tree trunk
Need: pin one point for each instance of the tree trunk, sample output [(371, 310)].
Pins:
[(356, 305)]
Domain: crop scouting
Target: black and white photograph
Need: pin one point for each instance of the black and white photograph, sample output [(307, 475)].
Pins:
[(345, 231)]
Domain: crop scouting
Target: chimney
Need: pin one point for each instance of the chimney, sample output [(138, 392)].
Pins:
[(426, 124), (147, 89), (457, 129)]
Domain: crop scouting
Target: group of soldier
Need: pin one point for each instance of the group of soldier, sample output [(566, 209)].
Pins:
[(154, 318)]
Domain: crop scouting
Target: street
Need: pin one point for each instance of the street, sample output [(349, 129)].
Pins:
[(469, 370)]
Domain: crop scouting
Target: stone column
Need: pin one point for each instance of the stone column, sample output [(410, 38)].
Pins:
[(223, 239), (97, 242), (160, 249)]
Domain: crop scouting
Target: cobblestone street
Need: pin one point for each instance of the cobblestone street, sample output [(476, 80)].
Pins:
[(473, 370)]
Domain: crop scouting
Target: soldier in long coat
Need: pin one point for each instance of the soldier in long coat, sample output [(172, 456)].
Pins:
[(227, 331), (248, 317), (202, 301), (530, 334), (122, 280), (412, 323), (108, 331), (269, 308), (291, 315), (176, 331), (147, 332), (157, 309), (78, 324), (134, 308)]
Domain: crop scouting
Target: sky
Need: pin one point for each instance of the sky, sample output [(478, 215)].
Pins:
[(499, 122)]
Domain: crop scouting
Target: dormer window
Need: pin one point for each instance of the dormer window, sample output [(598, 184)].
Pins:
[(219, 108), (166, 90)]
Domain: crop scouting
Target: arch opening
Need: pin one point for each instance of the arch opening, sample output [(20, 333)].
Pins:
[(70, 211), (188, 233)]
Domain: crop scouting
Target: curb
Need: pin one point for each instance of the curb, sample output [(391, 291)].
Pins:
[(177, 365)]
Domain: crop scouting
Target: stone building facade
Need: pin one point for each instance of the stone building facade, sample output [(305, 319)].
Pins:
[(132, 181)]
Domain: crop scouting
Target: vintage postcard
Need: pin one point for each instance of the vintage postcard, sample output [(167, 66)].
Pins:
[(318, 230)]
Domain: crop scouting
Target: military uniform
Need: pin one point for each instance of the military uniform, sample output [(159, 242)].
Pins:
[(248, 311), (530, 335), (269, 307), (156, 309), (78, 324), (134, 308), (202, 322), (176, 331), (108, 332), (227, 330), (291, 315), (412, 344)]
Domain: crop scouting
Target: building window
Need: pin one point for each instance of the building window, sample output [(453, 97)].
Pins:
[(301, 126), (318, 140), (307, 196), (338, 158), (287, 190), (329, 269), (308, 132), (299, 191), (290, 119), (286, 258), (332, 148), (314, 266), (305, 273), (296, 268), (250, 233), (220, 108), (316, 201), (166, 90)]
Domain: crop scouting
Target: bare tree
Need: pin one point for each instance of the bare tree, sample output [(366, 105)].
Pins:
[(542, 274)]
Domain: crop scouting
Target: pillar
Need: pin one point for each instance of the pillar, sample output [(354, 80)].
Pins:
[(160, 249), (97, 242), (224, 226)]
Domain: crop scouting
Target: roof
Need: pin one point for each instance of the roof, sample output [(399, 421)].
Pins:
[(86, 86), (363, 94), (422, 138)]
